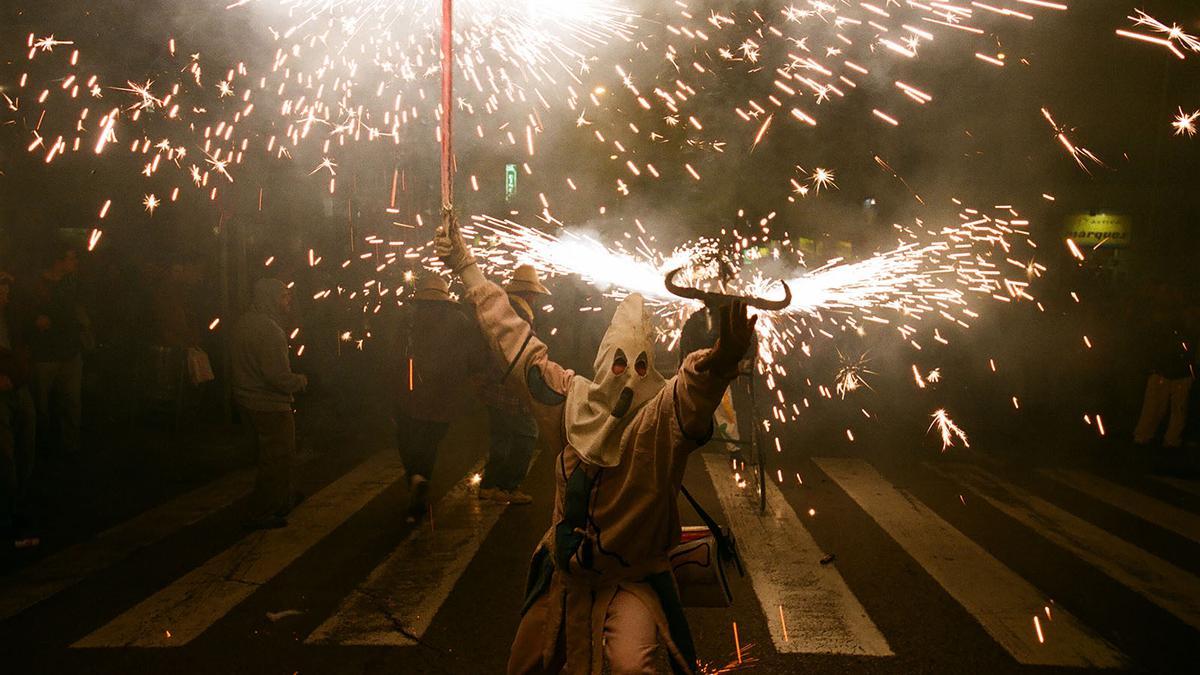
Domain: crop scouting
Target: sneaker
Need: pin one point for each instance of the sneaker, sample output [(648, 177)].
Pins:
[(418, 492), (294, 500), (517, 497), (271, 522), (27, 541), (488, 494)]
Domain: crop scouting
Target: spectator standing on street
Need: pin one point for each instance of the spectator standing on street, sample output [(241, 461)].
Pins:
[(263, 386), (175, 321), (513, 428), (18, 420), (432, 371), (1170, 381), (57, 339)]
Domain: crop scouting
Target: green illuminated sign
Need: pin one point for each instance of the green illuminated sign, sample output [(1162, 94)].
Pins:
[(510, 181)]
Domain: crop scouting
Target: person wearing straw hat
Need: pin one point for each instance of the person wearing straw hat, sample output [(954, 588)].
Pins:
[(430, 380), (513, 428)]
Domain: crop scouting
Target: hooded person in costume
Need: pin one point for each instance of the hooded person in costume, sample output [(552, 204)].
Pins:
[(600, 586)]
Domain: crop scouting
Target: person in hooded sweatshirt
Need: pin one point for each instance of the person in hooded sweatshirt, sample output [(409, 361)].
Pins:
[(263, 387), (600, 587)]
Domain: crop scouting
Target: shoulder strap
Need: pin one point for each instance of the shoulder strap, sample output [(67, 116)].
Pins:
[(724, 541)]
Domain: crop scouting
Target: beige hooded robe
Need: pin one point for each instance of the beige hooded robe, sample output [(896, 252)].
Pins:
[(630, 469)]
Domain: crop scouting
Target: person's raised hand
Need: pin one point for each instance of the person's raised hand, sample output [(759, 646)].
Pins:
[(450, 247), (734, 340)]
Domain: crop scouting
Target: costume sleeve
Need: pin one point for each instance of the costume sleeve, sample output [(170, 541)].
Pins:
[(272, 352), (522, 355), (696, 396)]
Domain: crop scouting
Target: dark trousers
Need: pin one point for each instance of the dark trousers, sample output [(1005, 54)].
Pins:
[(57, 392), (18, 419), (418, 441), (513, 439), (275, 437)]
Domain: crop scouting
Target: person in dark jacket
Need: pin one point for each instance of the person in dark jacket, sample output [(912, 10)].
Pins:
[(263, 387), (57, 339), (1171, 355), (432, 375), (18, 420), (513, 429)]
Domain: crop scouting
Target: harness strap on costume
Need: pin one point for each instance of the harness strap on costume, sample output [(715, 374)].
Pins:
[(513, 363), (728, 548)]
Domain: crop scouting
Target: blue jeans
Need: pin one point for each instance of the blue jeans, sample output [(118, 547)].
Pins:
[(513, 440)]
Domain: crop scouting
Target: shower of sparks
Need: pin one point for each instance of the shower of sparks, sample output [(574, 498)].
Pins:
[(948, 430), (1185, 123), (610, 269), (351, 72)]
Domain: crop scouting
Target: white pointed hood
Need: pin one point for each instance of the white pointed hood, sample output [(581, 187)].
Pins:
[(599, 410)]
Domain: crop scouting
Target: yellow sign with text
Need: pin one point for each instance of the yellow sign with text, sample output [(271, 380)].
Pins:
[(1099, 230)]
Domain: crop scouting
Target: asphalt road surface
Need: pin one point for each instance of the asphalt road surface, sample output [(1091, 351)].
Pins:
[(869, 558)]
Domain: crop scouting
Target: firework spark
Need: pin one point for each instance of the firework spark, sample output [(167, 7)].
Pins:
[(1080, 154), (1185, 123), (947, 429)]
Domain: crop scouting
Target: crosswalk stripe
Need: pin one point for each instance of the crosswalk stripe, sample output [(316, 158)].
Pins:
[(1157, 580), (68, 567), (399, 599), (1189, 486), (180, 612), (999, 599), (783, 561), (1151, 510)]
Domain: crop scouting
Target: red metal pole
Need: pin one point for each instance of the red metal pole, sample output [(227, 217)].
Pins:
[(447, 104)]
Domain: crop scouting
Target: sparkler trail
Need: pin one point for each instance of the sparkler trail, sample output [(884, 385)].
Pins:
[(948, 430), (1080, 154), (1175, 35)]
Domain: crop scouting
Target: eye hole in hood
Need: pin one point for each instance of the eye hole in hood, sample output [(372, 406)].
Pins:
[(642, 365), (620, 363)]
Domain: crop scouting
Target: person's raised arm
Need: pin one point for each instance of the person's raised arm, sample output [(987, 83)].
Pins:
[(706, 374), (506, 334)]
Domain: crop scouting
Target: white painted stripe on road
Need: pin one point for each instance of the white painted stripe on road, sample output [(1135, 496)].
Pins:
[(1189, 486), (399, 599), (783, 561), (177, 614), (998, 598), (1157, 580), (42, 579), (1148, 509)]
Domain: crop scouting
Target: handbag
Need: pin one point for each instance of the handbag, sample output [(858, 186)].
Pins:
[(198, 366), (699, 561)]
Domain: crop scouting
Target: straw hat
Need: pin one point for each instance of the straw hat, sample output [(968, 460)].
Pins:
[(525, 280), (432, 287)]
